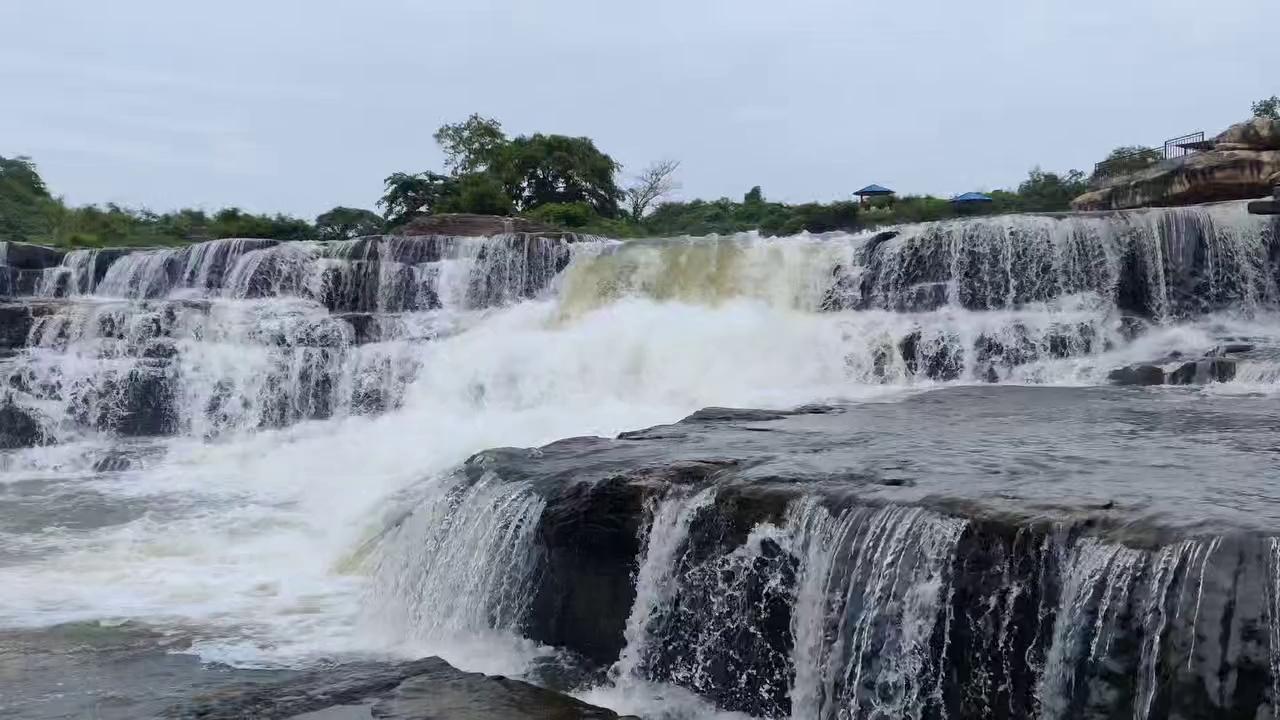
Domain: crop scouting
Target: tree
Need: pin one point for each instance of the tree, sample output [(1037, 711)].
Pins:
[(1268, 108), (543, 169), (23, 200), (344, 223), (480, 193), (754, 196), (471, 145), (655, 183), (408, 196), (235, 223), (568, 215), (1127, 159), (1048, 192)]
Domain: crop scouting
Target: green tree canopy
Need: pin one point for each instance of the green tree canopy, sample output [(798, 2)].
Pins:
[(543, 169), (344, 223), (1049, 192), (410, 195), (472, 145), (1127, 159), (1268, 108), (479, 193), (23, 200)]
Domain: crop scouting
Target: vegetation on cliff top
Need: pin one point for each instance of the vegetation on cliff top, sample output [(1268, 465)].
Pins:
[(558, 180)]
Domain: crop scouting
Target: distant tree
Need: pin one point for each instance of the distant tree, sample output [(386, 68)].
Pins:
[(344, 223), (656, 182), (410, 195), (234, 222), (574, 215), (1127, 159), (1268, 108), (543, 169), (480, 193), (754, 196), (1048, 192), (24, 200), (471, 145)]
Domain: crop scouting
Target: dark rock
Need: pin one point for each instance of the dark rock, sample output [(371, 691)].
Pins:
[(1131, 328), (448, 694), (160, 349), (15, 325), (428, 689), (944, 581), (590, 535), (149, 403), (939, 358), (19, 428), (1200, 372), (365, 327), (140, 401), (113, 461), (1232, 348), (25, 256), (1137, 375), (733, 415)]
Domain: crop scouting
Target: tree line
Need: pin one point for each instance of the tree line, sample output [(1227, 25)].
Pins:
[(561, 181)]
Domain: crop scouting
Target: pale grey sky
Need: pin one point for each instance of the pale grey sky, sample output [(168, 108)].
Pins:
[(297, 106)]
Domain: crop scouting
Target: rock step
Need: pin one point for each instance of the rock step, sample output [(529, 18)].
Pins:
[(1196, 372), (420, 690)]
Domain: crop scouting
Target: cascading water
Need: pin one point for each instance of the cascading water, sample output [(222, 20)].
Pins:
[(262, 441)]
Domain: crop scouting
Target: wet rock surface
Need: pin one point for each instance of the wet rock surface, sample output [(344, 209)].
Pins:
[(19, 427), (1107, 538), (428, 689)]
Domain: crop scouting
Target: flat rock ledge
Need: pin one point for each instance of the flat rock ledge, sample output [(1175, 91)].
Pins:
[(427, 689)]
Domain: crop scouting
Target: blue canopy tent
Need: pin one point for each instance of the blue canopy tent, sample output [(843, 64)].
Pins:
[(871, 191), (970, 203)]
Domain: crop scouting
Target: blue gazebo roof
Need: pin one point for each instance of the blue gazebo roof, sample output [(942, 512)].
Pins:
[(874, 190), (971, 197)]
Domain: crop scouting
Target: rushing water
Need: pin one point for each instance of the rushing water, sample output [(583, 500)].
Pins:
[(254, 445)]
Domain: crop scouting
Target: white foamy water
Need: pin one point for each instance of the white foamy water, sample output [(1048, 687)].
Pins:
[(257, 535)]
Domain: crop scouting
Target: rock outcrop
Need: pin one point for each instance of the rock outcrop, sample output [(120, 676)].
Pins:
[(1244, 163), (425, 689), (742, 554)]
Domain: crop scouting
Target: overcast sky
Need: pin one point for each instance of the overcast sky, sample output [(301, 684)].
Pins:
[(296, 106)]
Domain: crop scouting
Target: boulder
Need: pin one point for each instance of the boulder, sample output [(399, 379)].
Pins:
[(15, 324), (18, 427), (449, 694), (1200, 372), (1200, 177), (1232, 348), (25, 256), (427, 689), (1255, 134), (1142, 375)]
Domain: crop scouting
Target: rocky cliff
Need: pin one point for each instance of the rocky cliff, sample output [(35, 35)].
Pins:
[(1244, 163)]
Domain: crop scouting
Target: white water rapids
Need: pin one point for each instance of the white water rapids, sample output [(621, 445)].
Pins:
[(259, 538)]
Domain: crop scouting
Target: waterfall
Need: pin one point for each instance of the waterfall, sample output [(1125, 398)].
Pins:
[(665, 538), (461, 562), (270, 443), (883, 577)]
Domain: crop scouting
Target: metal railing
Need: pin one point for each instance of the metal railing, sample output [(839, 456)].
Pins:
[(1182, 146), (1172, 149)]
